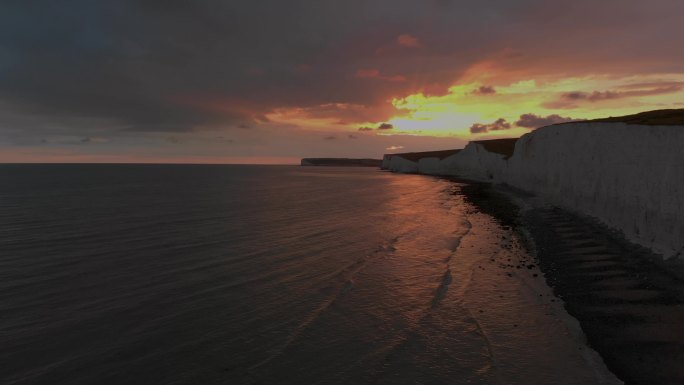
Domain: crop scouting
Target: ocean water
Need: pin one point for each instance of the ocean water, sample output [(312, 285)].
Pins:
[(172, 274)]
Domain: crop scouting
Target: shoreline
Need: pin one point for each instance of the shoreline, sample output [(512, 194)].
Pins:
[(624, 171), (627, 301)]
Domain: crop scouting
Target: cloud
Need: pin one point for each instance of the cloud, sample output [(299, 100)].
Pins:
[(333, 113), (395, 78), (574, 99), (535, 121), (146, 68), (407, 40), (497, 125), (634, 90), (89, 140), (367, 73), (375, 74), (592, 97), (485, 90), (381, 126), (656, 84)]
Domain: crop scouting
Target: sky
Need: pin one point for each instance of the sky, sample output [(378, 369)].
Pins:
[(272, 81)]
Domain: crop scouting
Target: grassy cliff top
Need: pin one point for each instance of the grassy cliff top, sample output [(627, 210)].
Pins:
[(416, 156), (500, 146), (673, 117)]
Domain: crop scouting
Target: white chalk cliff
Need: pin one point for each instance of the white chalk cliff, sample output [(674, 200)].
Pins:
[(630, 176)]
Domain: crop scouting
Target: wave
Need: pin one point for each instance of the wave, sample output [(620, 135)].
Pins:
[(442, 289), (347, 275)]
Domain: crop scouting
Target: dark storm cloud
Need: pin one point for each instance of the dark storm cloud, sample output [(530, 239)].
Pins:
[(498, 125), (78, 59), (140, 63), (381, 126), (535, 121), (178, 66), (485, 90)]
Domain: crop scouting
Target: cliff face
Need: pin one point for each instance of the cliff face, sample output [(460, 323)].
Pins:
[(430, 162), (481, 160), (630, 176), (477, 159)]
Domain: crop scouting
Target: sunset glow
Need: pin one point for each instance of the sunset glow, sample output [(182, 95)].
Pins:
[(578, 98), (422, 76), (471, 103)]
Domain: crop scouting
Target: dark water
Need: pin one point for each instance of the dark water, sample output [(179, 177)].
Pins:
[(149, 274)]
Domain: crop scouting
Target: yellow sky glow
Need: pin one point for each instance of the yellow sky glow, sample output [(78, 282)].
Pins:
[(452, 114)]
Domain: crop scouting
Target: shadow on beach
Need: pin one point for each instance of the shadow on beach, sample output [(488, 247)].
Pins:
[(627, 300)]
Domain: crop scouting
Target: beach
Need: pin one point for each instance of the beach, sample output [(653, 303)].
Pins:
[(628, 301)]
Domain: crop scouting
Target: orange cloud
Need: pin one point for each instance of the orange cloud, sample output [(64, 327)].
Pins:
[(374, 73), (408, 41), (367, 73), (395, 78), (330, 115)]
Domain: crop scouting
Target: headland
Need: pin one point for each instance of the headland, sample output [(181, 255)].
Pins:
[(601, 205)]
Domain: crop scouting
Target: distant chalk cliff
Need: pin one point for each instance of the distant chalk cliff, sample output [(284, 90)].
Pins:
[(341, 162)]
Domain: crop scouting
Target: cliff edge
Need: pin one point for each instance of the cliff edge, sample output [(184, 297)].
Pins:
[(628, 172)]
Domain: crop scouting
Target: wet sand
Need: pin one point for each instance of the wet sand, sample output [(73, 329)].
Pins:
[(630, 304)]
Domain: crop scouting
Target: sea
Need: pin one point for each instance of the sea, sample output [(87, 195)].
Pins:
[(241, 274)]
